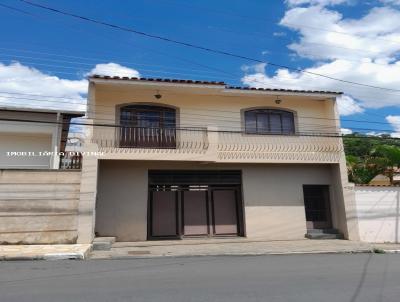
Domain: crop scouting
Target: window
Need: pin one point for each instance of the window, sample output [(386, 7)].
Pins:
[(269, 121), (147, 126)]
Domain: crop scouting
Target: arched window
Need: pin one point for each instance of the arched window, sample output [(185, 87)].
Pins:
[(147, 126), (269, 121)]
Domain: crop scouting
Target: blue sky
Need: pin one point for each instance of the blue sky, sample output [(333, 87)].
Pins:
[(349, 39)]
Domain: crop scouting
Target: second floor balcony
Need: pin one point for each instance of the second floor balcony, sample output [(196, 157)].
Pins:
[(211, 144)]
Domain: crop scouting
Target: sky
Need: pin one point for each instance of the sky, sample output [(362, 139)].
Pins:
[(45, 58)]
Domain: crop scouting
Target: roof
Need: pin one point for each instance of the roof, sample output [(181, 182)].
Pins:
[(216, 83), (76, 113)]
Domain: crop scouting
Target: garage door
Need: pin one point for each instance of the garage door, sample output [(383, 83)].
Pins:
[(194, 204)]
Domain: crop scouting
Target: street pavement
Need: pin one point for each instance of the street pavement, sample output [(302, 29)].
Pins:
[(318, 277)]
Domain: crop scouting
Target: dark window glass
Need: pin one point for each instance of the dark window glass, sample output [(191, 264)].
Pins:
[(269, 121), (251, 122), (146, 126)]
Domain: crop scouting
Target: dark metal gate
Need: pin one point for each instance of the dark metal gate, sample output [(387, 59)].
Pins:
[(194, 204), (317, 206)]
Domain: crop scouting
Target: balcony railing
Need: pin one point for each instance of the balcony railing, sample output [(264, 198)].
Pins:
[(281, 148), (216, 145), (151, 138), (70, 160), (141, 137)]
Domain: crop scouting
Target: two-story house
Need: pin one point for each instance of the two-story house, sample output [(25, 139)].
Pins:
[(183, 159)]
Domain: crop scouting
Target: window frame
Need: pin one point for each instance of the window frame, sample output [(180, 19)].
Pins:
[(269, 111), (162, 111)]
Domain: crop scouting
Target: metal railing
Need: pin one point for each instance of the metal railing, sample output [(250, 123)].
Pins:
[(70, 160), (226, 145), (141, 137), (151, 138)]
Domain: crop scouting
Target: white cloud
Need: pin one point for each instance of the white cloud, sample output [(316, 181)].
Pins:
[(373, 37), (315, 2), (22, 82), (24, 86), (376, 38), (348, 106), (374, 133), (394, 121), (114, 69), (346, 131), (279, 34), (391, 2)]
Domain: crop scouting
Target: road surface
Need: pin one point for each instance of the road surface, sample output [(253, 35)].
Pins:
[(327, 278)]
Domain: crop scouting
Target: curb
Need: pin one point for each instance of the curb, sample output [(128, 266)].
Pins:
[(83, 255), (125, 257)]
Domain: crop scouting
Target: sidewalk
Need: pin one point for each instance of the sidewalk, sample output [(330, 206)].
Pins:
[(236, 247), (190, 247), (44, 252)]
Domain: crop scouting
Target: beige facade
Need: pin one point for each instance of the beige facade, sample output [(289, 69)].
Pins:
[(210, 136), (272, 196)]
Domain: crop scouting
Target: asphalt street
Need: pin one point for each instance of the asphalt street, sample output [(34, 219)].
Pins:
[(328, 278)]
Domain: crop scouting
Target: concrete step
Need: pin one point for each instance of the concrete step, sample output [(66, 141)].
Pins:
[(324, 234), (323, 231), (103, 243)]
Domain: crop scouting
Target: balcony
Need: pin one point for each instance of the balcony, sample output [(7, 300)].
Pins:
[(215, 146)]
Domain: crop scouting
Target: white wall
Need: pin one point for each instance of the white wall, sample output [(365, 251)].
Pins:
[(32, 138), (378, 213), (23, 151)]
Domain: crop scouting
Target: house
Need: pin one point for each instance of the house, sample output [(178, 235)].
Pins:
[(380, 180), (183, 159), (33, 138), (39, 176)]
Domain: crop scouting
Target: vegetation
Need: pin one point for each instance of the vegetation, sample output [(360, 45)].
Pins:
[(369, 156)]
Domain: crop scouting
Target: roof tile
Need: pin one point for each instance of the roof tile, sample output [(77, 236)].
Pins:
[(209, 83)]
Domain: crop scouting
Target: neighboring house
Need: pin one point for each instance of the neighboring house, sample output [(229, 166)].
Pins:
[(383, 180), (380, 180), (39, 178), (33, 138), (202, 159)]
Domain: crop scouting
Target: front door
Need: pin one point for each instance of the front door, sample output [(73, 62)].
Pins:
[(317, 206), (224, 211), (179, 209)]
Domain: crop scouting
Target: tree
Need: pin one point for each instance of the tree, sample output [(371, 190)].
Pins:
[(369, 156)]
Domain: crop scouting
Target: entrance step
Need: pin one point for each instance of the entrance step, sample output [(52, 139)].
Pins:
[(103, 243), (324, 234)]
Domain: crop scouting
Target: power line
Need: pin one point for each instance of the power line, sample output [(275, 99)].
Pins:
[(225, 12), (184, 128), (15, 9), (195, 46), (299, 134), (98, 112), (108, 113)]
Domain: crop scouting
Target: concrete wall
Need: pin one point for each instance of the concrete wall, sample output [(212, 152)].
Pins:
[(38, 207), (378, 213), (273, 197)]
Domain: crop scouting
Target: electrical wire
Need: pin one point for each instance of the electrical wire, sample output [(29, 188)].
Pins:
[(92, 108), (195, 46)]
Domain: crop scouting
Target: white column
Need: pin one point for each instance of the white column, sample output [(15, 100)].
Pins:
[(88, 191), (56, 141)]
